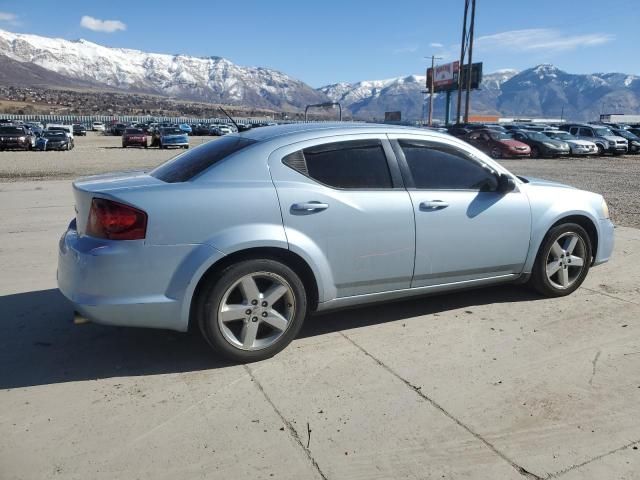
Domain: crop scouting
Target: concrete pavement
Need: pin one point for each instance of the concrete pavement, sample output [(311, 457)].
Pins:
[(490, 384)]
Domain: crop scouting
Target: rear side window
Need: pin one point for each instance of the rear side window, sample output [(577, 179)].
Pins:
[(356, 164), (189, 164), (441, 167)]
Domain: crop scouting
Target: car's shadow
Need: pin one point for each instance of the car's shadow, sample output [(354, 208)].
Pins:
[(40, 345)]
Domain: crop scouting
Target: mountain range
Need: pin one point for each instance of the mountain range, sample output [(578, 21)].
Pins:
[(542, 91)]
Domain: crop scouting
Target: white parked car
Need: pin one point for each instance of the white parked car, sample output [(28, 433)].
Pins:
[(577, 146), (98, 127)]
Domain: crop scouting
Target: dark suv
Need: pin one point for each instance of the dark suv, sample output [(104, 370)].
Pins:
[(16, 137)]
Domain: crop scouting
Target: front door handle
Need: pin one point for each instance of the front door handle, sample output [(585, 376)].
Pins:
[(309, 206), (433, 205)]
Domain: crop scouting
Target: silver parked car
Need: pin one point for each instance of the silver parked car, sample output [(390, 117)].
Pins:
[(244, 236)]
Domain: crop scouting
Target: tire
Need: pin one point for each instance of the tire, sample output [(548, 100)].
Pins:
[(186, 147), (496, 152), (249, 338), (600, 149), (160, 146), (535, 152), (552, 256), (146, 146)]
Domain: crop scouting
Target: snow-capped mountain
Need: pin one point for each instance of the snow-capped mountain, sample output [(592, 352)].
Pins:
[(212, 79), (542, 91), (370, 99)]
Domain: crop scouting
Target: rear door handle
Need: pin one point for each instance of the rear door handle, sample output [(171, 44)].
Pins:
[(433, 205), (309, 206)]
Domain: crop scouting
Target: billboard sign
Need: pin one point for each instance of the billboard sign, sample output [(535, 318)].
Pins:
[(446, 77), (392, 116)]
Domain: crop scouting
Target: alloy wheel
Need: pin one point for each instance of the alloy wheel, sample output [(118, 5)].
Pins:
[(256, 310), (566, 260)]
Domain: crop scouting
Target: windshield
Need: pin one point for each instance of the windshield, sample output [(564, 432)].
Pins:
[(500, 136), (54, 134), (8, 130), (625, 134), (603, 132), (559, 135), (171, 131), (537, 136), (133, 131)]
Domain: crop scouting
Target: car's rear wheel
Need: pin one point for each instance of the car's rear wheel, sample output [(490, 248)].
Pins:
[(563, 261), (252, 309)]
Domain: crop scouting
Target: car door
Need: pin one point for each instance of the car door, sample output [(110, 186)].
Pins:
[(465, 228), (343, 202)]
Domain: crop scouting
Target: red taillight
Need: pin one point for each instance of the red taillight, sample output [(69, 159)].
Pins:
[(116, 221)]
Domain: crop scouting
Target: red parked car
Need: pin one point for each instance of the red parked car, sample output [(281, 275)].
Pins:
[(497, 144), (134, 137)]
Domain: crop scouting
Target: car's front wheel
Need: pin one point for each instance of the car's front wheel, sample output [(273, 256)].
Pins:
[(563, 261), (252, 309), (496, 152)]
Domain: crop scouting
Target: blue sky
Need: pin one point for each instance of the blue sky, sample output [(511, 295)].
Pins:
[(351, 40)]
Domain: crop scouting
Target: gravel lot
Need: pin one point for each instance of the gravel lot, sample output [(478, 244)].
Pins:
[(617, 178), (496, 383)]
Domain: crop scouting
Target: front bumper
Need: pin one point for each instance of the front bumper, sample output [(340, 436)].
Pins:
[(605, 241), (122, 283)]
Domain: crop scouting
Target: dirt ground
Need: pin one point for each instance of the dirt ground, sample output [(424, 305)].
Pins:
[(614, 177), (496, 383)]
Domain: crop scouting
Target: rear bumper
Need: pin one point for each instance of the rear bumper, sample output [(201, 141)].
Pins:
[(124, 283), (605, 241)]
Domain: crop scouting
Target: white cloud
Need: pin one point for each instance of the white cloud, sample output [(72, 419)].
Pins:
[(10, 18), (436, 45), (98, 25), (540, 39)]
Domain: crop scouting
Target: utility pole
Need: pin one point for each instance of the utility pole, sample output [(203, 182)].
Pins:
[(433, 73), (461, 63), (467, 104)]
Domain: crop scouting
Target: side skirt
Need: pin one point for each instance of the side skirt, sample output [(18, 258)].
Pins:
[(346, 302)]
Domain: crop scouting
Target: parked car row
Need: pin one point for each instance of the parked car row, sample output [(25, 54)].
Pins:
[(34, 136), (536, 140)]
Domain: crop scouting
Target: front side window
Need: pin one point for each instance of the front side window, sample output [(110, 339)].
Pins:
[(442, 167), (355, 164)]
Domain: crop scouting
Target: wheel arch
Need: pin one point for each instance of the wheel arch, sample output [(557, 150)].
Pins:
[(285, 256), (586, 223)]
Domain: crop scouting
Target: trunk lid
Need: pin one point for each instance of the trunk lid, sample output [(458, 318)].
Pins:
[(105, 186)]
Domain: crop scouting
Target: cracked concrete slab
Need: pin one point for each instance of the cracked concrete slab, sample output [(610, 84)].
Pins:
[(508, 369)]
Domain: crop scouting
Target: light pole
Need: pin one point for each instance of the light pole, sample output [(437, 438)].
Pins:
[(433, 72)]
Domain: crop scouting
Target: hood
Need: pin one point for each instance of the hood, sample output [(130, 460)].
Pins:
[(585, 143), (542, 182), (513, 143), (614, 138), (556, 143)]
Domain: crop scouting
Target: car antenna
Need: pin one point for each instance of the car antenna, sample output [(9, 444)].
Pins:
[(229, 117)]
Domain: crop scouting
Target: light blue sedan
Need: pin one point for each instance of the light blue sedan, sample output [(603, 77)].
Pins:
[(244, 236)]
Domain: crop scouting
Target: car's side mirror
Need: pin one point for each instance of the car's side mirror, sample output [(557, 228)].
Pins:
[(506, 183)]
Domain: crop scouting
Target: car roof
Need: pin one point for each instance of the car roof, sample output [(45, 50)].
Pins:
[(312, 130)]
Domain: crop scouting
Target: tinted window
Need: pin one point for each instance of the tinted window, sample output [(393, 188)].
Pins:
[(440, 167), (186, 166), (11, 130), (133, 131), (354, 164), (586, 132)]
